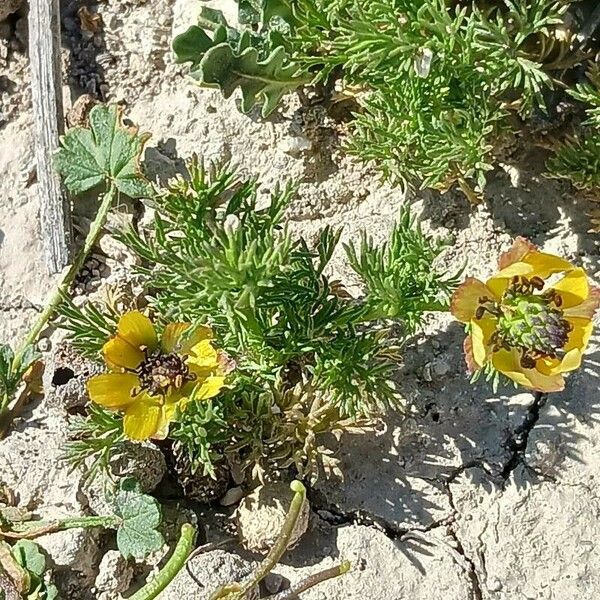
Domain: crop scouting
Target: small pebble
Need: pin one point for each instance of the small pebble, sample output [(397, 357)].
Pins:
[(295, 146), (44, 345), (232, 496), (427, 373)]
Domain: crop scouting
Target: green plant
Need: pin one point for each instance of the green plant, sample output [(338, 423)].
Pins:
[(23, 572), (578, 158), (136, 519), (105, 154), (437, 82), (305, 358)]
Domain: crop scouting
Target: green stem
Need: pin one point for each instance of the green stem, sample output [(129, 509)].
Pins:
[(63, 288), (32, 530), (174, 565), (283, 541), (110, 522)]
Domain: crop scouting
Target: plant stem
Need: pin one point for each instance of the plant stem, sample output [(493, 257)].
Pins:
[(43, 528), (311, 581), (174, 565), (283, 541), (62, 289)]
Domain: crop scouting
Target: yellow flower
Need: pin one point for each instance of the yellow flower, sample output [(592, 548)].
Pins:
[(150, 379), (523, 325)]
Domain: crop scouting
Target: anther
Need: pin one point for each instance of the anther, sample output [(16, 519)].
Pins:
[(527, 362), (537, 282)]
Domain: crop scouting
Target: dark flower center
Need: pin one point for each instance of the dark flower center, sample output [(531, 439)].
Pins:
[(160, 372), (531, 323)]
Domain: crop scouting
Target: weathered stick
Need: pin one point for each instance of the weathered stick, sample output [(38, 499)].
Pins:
[(46, 83)]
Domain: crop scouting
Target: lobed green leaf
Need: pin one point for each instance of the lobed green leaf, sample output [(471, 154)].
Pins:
[(105, 153)]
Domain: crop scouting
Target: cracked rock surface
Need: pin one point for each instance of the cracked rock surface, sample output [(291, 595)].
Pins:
[(470, 494)]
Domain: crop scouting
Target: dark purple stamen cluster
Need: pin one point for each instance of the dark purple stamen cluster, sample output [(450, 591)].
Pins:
[(159, 372)]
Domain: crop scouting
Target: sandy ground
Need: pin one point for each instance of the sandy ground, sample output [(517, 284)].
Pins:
[(473, 496)]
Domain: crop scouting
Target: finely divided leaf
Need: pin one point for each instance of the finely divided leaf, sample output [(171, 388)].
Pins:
[(137, 535), (107, 152)]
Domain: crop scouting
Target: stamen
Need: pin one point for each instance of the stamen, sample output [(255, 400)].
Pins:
[(527, 362), (537, 282), (160, 373)]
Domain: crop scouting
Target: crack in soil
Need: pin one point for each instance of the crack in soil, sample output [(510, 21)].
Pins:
[(471, 571), (518, 441), (516, 444), (336, 517)]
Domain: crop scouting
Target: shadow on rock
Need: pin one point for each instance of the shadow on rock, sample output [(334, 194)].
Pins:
[(83, 36), (398, 479)]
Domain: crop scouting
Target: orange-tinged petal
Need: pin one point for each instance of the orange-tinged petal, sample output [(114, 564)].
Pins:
[(142, 419), (573, 288), (171, 336), (508, 363), (481, 333), (587, 309), (545, 383), (520, 248), (137, 329), (209, 388), (465, 299), (121, 354), (112, 390), (472, 366)]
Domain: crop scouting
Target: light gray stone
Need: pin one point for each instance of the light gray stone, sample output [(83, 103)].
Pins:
[(207, 573), (423, 567), (114, 576)]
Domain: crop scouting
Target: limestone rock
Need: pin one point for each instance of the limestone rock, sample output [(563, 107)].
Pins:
[(66, 376), (260, 517), (206, 573), (32, 465), (144, 462), (114, 576), (72, 550), (419, 566)]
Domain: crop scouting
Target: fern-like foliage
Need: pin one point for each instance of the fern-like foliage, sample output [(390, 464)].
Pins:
[(578, 159), (588, 92), (397, 274), (308, 356), (437, 81)]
